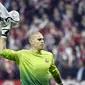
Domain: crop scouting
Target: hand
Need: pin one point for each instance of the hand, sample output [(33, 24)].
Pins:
[(3, 22), (5, 25)]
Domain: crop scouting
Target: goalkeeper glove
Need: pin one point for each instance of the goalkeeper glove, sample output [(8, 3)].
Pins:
[(15, 17), (5, 26), (7, 23), (5, 32)]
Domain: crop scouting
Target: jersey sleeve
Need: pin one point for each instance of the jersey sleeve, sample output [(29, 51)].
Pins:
[(53, 69), (55, 73), (10, 54)]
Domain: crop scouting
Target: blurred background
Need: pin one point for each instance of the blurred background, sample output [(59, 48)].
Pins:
[(62, 22)]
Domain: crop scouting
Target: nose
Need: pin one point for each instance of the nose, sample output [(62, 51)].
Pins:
[(42, 41)]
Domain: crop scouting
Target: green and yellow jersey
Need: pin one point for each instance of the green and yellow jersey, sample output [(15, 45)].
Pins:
[(34, 67)]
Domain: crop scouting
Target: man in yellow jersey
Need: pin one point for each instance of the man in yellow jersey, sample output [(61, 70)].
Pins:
[(34, 64)]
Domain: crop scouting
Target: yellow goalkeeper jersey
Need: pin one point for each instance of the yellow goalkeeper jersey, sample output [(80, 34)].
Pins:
[(34, 67)]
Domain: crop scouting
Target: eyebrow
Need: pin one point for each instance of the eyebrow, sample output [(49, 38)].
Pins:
[(40, 39)]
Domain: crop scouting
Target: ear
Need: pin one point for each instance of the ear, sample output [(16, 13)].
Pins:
[(31, 41)]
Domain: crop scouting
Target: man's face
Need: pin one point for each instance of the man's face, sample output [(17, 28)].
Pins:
[(37, 41)]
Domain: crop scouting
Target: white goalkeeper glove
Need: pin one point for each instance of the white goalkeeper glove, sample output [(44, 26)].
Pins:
[(8, 22), (15, 17), (7, 19)]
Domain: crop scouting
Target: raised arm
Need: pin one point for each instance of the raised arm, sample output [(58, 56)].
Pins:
[(7, 53), (6, 23)]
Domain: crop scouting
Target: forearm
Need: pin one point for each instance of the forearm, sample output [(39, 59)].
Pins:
[(58, 79), (7, 53), (56, 74), (2, 43)]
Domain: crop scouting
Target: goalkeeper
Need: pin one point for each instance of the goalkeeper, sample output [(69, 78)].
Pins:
[(35, 64)]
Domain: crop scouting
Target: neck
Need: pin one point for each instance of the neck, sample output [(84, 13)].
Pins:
[(35, 50)]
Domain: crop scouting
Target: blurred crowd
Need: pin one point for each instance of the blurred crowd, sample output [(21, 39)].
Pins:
[(62, 22)]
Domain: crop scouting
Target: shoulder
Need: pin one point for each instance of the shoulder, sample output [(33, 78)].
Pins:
[(24, 51), (47, 52)]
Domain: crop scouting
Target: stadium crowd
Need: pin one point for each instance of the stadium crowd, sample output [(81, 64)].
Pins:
[(62, 22)]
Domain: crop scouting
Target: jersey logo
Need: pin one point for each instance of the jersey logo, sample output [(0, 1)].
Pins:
[(46, 60)]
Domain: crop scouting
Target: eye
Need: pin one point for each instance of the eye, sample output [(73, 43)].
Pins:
[(40, 39)]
